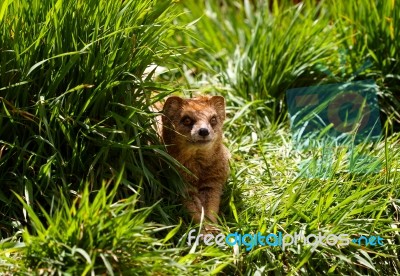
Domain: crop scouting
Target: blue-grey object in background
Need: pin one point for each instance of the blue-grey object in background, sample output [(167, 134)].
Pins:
[(341, 112)]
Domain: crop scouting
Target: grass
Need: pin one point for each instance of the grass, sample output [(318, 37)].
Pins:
[(259, 49), (88, 189), (74, 104), (271, 192), (95, 234)]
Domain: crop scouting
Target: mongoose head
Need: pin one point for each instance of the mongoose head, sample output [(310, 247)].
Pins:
[(195, 122)]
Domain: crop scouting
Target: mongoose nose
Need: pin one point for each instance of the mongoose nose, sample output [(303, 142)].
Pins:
[(203, 132)]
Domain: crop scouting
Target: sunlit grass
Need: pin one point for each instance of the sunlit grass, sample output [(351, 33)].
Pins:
[(271, 192), (259, 50)]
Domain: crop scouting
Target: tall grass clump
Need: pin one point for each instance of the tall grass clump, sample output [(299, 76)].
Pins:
[(93, 234), (256, 50), (371, 32), (259, 49), (74, 99), (280, 49)]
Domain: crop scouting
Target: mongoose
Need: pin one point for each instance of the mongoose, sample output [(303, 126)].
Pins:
[(192, 132)]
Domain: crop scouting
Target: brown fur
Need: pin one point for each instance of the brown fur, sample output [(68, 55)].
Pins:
[(208, 161)]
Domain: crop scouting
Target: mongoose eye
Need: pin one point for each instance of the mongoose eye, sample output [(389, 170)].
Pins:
[(213, 121), (187, 121)]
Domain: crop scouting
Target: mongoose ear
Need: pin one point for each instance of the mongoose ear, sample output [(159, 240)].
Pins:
[(171, 106), (219, 104)]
